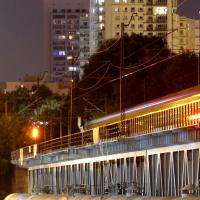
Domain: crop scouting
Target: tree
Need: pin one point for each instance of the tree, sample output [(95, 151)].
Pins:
[(150, 70), (22, 105)]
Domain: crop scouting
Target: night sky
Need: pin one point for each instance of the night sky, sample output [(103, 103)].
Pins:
[(21, 33)]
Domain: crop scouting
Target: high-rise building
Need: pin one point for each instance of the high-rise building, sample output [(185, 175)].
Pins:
[(149, 17), (62, 37), (187, 34), (97, 24), (84, 42)]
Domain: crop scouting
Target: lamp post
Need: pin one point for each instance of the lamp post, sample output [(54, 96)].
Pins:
[(35, 133), (121, 90), (71, 89)]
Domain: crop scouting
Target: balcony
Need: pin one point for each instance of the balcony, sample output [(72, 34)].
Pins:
[(150, 28), (149, 20), (149, 3), (160, 3), (161, 19), (149, 12)]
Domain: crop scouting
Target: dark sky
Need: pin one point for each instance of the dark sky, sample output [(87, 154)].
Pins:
[(21, 38), (21, 35), (189, 8)]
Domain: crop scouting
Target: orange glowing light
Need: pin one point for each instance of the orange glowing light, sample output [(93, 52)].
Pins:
[(35, 132)]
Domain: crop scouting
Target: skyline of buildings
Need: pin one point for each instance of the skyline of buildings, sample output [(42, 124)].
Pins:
[(62, 25), (74, 30), (93, 21)]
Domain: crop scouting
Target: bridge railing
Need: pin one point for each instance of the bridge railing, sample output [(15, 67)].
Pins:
[(69, 141), (173, 118)]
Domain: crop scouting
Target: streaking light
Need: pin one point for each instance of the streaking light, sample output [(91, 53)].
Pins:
[(193, 117)]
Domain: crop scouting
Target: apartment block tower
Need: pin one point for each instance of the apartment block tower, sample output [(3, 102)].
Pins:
[(63, 21), (150, 17), (97, 24), (187, 36)]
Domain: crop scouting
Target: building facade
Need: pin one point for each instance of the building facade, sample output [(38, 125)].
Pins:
[(146, 17), (97, 24), (149, 17), (62, 37), (187, 36), (84, 42)]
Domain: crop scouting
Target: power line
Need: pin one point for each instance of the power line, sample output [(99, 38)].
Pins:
[(136, 66), (126, 75), (180, 4), (108, 48), (103, 65), (97, 81)]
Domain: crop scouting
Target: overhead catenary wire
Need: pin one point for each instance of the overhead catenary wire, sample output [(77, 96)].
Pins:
[(136, 66), (126, 75), (97, 81), (180, 4), (107, 49), (97, 69)]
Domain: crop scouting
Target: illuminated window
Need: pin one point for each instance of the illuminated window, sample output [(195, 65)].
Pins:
[(101, 2), (124, 1), (100, 18), (59, 53), (72, 68), (160, 10), (101, 26), (101, 9), (116, 1), (61, 37), (116, 9)]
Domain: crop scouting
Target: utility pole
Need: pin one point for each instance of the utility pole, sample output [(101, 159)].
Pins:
[(121, 84), (6, 102)]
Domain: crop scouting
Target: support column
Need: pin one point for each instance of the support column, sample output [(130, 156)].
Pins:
[(92, 178)]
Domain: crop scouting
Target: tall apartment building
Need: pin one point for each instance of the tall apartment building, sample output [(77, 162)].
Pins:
[(62, 36), (97, 24), (84, 42), (187, 34), (150, 17)]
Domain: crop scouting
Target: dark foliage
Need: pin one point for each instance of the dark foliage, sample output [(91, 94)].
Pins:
[(146, 80)]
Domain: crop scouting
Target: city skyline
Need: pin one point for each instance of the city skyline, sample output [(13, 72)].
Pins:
[(22, 46)]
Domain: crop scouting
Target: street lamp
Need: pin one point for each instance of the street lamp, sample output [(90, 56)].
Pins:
[(35, 133), (71, 57)]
